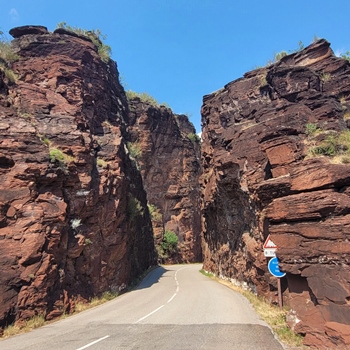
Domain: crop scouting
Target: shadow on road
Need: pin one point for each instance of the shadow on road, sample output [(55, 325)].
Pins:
[(153, 277)]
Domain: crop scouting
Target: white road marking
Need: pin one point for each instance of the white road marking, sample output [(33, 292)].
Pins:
[(173, 296), (92, 343), (151, 313)]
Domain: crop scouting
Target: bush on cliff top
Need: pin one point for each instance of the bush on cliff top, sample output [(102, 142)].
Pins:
[(346, 56), (95, 36), (7, 57), (145, 97), (194, 137)]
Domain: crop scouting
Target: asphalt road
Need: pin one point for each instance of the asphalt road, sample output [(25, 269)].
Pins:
[(174, 308)]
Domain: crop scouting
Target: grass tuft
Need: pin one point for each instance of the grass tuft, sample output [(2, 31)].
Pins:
[(26, 326)]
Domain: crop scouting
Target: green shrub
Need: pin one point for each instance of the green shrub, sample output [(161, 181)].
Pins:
[(134, 149), (9, 74), (335, 145), (312, 129), (169, 243), (101, 163), (6, 52), (328, 147), (280, 55), (7, 57), (346, 56), (61, 158), (56, 155), (44, 140), (155, 213), (95, 36), (194, 137), (143, 96), (134, 207)]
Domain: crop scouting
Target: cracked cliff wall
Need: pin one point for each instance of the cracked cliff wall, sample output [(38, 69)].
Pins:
[(73, 212), (263, 174), (170, 165)]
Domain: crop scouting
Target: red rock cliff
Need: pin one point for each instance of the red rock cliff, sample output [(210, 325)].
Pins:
[(275, 162), (73, 214), (170, 165)]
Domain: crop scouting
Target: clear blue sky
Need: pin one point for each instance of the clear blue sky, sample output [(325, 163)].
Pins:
[(180, 50)]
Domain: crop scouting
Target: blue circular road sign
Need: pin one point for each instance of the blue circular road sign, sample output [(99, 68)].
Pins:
[(274, 268)]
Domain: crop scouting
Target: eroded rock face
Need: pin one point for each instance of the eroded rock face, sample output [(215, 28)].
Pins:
[(170, 167), (73, 215), (259, 179)]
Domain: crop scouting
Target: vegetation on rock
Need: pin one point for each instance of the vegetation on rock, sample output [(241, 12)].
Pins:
[(134, 149), (7, 57), (194, 137), (155, 213), (95, 36), (169, 243), (335, 145), (145, 97), (134, 207), (346, 56)]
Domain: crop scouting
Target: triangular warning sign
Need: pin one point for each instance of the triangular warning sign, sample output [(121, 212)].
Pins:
[(269, 244)]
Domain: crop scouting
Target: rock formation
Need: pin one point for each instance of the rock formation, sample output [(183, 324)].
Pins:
[(73, 212), (169, 160), (275, 158)]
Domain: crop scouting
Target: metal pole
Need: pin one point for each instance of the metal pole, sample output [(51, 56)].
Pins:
[(280, 300)]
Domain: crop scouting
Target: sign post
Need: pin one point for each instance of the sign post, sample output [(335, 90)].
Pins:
[(275, 271), (270, 251)]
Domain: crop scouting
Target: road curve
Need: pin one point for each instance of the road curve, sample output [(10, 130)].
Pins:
[(174, 308)]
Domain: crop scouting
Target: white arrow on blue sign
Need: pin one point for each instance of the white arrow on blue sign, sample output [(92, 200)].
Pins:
[(274, 268)]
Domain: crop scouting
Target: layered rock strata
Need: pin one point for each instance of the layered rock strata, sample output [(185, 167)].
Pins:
[(169, 160), (73, 212), (275, 161)]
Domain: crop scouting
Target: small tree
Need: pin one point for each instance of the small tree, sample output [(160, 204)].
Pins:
[(169, 243)]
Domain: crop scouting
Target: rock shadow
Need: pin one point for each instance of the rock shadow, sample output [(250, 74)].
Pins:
[(152, 278)]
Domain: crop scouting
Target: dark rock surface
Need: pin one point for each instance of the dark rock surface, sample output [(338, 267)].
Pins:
[(25, 30), (73, 212), (260, 178)]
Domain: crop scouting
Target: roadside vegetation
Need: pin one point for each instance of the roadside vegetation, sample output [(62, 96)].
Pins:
[(271, 314), (95, 36), (168, 245), (24, 327)]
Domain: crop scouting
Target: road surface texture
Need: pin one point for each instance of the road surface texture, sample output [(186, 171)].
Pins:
[(174, 308)]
